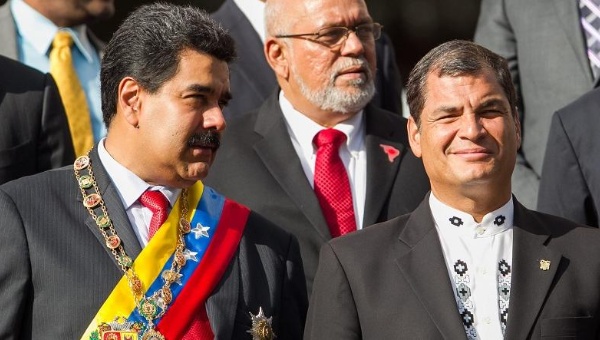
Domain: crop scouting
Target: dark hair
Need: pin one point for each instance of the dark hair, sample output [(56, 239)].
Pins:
[(148, 44), (455, 58)]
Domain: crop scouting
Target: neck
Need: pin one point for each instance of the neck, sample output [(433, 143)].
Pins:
[(477, 202), (324, 118)]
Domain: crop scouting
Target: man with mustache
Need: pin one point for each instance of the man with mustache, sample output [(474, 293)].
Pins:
[(470, 262), (317, 158), (128, 242)]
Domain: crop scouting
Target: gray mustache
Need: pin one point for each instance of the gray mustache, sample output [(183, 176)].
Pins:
[(209, 139)]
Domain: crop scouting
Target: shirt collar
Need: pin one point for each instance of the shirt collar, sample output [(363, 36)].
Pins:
[(304, 129), (128, 184), (450, 220), (39, 31)]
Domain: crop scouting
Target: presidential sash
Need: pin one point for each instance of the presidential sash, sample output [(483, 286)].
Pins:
[(217, 225)]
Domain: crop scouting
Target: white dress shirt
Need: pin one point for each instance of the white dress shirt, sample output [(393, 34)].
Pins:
[(35, 34), (479, 261), (130, 187), (302, 130)]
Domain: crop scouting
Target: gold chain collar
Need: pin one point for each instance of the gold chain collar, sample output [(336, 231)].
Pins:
[(154, 306)]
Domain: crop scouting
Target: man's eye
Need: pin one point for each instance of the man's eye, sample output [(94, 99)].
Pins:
[(331, 36)]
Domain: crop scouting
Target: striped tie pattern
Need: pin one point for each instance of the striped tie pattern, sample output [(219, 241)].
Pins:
[(590, 21)]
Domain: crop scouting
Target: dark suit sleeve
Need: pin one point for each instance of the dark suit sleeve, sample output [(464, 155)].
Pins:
[(14, 270), (295, 300), (55, 148), (332, 312), (563, 189)]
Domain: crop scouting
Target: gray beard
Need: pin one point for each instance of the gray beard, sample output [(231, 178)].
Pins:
[(335, 99)]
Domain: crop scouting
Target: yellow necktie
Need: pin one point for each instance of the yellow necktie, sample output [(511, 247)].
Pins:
[(73, 97)]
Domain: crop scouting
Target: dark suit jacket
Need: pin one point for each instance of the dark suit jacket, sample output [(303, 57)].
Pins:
[(56, 270), (34, 133), (390, 281), (570, 185), (546, 51), (252, 79), (257, 165)]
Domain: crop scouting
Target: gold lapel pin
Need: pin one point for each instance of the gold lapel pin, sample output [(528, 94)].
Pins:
[(544, 264)]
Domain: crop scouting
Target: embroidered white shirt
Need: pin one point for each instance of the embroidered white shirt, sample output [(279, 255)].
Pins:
[(479, 261), (302, 130)]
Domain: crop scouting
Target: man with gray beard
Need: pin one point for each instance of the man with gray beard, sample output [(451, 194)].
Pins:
[(316, 157)]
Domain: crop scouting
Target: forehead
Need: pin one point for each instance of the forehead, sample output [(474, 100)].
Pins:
[(320, 13), (471, 88), (201, 68)]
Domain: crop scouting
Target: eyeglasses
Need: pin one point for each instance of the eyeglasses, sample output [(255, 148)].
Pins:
[(332, 36)]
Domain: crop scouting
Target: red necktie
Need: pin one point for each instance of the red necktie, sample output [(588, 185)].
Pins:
[(158, 204), (332, 186)]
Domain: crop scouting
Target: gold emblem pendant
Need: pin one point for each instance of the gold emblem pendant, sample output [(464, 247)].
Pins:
[(261, 326), (152, 334)]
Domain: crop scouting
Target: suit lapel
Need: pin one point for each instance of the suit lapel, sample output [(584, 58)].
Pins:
[(424, 268), (277, 153), (568, 14), (530, 283), (381, 171), (115, 209)]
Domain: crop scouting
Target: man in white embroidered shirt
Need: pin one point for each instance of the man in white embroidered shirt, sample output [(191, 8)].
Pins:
[(470, 262)]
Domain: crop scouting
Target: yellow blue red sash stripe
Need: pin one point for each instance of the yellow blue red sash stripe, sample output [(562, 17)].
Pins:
[(206, 218)]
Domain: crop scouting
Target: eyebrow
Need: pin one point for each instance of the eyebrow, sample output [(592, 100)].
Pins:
[(209, 90), (491, 102), (484, 105)]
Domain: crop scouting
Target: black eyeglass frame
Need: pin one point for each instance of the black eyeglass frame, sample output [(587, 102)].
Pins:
[(375, 26)]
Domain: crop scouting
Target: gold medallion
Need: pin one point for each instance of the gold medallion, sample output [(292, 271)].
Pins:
[(81, 163), (152, 334), (261, 326), (185, 225), (179, 258), (113, 242), (92, 200), (148, 310), (85, 182), (103, 221)]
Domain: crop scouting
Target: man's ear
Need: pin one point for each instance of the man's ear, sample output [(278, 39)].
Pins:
[(129, 102), (414, 136), (277, 54)]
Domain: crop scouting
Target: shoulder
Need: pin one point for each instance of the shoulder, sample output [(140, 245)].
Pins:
[(17, 77), (261, 232), (565, 234), (59, 182), (583, 107), (373, 240)]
